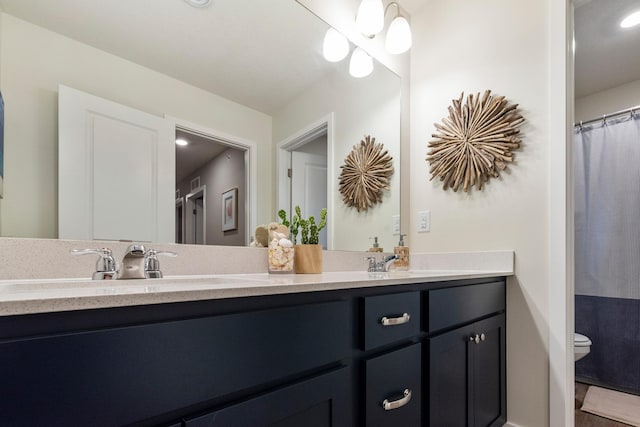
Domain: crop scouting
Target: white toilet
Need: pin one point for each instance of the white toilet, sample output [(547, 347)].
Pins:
[(581, 346)]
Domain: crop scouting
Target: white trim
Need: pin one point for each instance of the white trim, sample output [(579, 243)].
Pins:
[(200, 191), (560, 231), (283, 163), (181, 203), (250, 149)]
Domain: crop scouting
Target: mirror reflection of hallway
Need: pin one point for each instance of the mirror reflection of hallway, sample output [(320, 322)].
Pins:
[(206, 167)]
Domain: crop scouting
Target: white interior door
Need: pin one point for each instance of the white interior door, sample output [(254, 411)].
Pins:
[(309, 186), (116, 171)]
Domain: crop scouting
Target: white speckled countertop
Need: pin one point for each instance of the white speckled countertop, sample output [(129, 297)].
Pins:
[(202, 273), (39, 296)]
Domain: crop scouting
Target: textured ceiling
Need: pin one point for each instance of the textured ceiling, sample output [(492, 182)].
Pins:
[(606, 55)]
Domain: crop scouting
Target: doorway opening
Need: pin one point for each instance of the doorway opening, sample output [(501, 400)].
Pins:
[(304, 168), (208, 164)]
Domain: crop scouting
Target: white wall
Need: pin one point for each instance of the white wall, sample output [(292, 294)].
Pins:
[(499, 45), (358, 111), (608, 101), (4, 162), (35, 61)]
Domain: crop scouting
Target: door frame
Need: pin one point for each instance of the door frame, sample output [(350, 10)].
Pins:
[(303, 136), (180, 204), (188, 217), (250, 149)]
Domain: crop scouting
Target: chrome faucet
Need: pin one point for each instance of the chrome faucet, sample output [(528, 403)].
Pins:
[(382, 266), (137, 263), (132, 266)]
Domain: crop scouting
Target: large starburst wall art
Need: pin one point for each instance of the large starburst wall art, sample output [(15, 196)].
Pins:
[(475, 142), (365, 174)]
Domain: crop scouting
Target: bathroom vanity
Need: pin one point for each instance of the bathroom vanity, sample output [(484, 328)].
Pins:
[(392, 350)]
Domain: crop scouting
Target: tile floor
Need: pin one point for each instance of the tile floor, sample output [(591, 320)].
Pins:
[(585, 419)]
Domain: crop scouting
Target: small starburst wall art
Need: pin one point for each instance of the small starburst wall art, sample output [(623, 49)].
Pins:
[(475, 142), (365, 174)]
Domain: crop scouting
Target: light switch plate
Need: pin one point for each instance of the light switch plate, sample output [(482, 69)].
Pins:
[(395, 224), (424, 221)]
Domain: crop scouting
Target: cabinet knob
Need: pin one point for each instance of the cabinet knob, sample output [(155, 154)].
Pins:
[(395, 404), (477, 338), (392, 321)]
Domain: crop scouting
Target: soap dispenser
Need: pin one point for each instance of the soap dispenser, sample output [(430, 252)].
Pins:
[(402, 252), (376, 247)]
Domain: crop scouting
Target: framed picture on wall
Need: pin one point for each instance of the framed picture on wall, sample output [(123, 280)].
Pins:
[(230, 209)]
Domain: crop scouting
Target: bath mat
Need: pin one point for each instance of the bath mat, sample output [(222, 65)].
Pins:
[(614, 405)]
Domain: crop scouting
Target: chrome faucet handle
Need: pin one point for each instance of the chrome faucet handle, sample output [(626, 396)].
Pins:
[(105, 265), (152, 265), (373, 264)]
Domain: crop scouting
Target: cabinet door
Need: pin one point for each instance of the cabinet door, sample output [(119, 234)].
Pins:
[(448, 370), (487, 382), (466, 378), (319, 402)]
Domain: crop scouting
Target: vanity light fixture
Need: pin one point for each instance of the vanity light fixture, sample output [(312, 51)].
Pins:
[(370, 21), (631, 20), (335, 47), (182, 142), (399, 38), (361, 64), (370, 17)]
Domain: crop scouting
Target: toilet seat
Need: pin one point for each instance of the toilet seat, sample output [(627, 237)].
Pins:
[(580, 340)]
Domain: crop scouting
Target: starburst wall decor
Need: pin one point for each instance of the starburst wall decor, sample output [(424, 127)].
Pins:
[(365, 174), (474, 143)]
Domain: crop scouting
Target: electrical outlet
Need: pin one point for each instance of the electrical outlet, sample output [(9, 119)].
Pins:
[(395, 224), (424, 221)]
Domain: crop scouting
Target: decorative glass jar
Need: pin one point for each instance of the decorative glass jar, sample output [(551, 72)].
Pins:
[(281, 249)]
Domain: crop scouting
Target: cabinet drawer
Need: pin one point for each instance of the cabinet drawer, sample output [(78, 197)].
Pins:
[(394, 379), (458, 305), (389, 318)]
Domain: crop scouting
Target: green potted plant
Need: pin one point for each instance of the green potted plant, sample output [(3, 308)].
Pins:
[(308, 254)]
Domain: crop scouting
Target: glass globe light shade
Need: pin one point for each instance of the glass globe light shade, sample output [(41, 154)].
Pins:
[(631, 20), (370, 17), (361, 64), (335, 47), (399, 38)]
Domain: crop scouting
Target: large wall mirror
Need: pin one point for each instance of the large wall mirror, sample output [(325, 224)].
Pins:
[(243, 81)]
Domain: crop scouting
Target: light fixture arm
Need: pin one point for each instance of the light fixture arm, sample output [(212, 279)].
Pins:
[(393, 3)]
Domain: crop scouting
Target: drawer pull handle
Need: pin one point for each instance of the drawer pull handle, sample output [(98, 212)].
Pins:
[(395, 404), (393, 321)]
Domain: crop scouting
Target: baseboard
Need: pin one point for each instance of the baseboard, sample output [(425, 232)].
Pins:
[(511, 425)]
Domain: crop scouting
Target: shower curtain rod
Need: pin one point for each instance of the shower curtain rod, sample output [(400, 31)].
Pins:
[(604, 117)]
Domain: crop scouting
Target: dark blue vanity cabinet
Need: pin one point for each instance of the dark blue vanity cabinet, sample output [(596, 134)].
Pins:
[(379, 356), (466, 356)]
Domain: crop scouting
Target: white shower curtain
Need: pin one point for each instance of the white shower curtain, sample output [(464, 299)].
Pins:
[(607, 209)]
